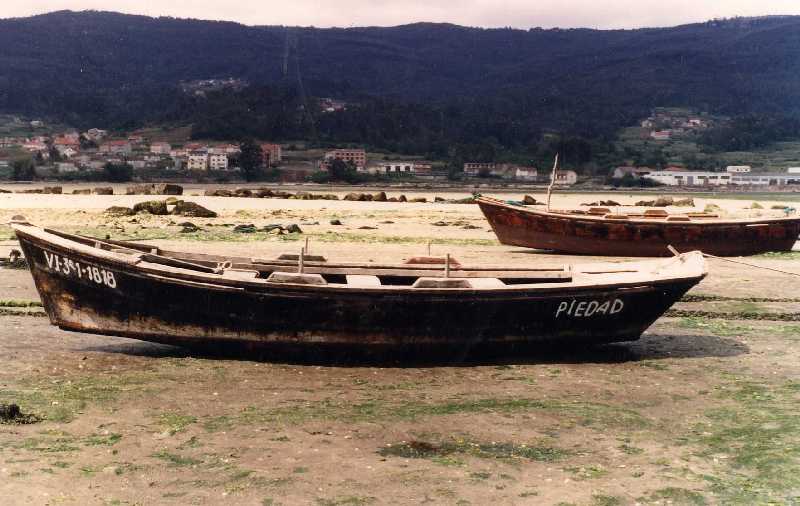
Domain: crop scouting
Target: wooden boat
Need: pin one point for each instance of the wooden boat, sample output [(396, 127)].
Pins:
[(138, 291), (598, 231)]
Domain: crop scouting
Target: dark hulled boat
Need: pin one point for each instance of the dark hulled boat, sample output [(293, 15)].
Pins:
[(133, 290), (598, 231)]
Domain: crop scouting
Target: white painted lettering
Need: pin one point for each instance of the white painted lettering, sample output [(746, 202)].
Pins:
[(591, 308), (562, 306), (580, 308), (617, 306)]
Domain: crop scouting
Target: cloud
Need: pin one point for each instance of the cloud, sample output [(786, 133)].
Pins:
[(488, 13)]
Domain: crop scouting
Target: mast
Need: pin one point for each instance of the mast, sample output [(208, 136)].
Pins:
[(552, 182)]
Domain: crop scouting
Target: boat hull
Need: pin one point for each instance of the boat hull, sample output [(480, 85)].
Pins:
[(583, 235), (159, 309)]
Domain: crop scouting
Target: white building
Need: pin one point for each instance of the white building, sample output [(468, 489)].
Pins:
[(689, 178), (698, 178), (197, 162), (160, 148), (64, 167), (526, 173), (217, 161), (393, 168), (566, 177), (793, 170), (738, 169)]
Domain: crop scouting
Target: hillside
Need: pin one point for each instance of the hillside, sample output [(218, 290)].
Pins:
[(420, 88), (74, 61)]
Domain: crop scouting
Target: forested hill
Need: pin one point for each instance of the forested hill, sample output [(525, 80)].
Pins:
[(108, 68)]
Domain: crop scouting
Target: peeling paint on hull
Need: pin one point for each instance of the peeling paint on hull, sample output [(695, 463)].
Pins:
[(173, 311), (582, 235)]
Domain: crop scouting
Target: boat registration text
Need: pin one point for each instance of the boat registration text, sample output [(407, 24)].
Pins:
[(584, 308), (69, 267)]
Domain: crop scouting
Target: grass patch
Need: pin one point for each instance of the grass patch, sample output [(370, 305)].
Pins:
[(351, 500), (677, 496), (20, 303), (174, 423), (102, 439), (756, 437), (509, 451), (606, 500), (587, 472), (175, 460), (62, 399), (579, 412)]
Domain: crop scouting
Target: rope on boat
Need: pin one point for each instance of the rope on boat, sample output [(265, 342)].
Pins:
[(739, 262)]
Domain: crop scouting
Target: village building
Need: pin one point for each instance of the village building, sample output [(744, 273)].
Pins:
[(423, 168), (635, 172), (117, 147), (474, 169), (66, 151), (739, 169), (224, 149), (96, 134), (395, 167), (197, 161), (661, 135), (218, 161), (64, 167), (566, 177), (160, 148), (358, 157), (793, 170), (179, 153), (272, 153)]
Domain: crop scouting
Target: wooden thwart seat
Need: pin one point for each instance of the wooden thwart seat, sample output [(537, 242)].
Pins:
[(363, 280)]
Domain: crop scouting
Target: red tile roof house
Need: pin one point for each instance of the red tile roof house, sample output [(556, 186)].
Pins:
[(116, 147)]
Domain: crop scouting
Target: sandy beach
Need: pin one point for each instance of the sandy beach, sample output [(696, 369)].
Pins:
[(701, 410)]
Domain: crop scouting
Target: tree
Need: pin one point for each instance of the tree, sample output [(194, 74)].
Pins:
[(22, 170), (251, 160), (118, 172)]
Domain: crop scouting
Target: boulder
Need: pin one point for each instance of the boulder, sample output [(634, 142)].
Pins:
[(294, 228), (402, 198), (171, 201), (379, 197), (242, 192), (188, 227), (139, 189), (119, 211), (53, 190), (103, 190), (440, 224), (84, 191), (418, 199), (184, 208), (157, 207), (167, 189), (663, 202), (336, 222), (262, 193), (529, 201), (439, 199), (352, 197), (219, 192), (35, 190), (645, 203), (272, 227), (367, 227), (245, 229), (688, 202)]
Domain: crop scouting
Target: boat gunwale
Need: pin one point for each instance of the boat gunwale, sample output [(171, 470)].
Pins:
[(661, 221), (133, 265)]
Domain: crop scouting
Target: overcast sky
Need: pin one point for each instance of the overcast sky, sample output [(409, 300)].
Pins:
[(488, 13)]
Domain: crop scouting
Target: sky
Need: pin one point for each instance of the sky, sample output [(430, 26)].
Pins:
[(485, 13)]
